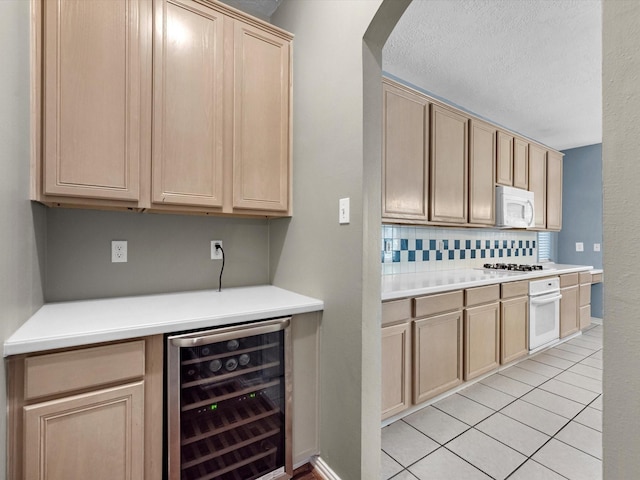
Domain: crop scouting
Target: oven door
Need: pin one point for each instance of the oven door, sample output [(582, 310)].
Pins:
[(544, 319)]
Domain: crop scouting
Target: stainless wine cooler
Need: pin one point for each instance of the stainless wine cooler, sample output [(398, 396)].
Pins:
[(229, 403)]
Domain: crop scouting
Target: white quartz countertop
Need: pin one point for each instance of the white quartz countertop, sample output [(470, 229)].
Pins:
[(67, 324), (414, 284)]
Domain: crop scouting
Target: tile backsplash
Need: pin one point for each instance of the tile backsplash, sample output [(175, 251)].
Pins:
[(407, 249)]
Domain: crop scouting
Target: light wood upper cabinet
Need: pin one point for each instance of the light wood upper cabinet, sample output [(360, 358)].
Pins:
[(520, 163), (538, 183), (504, 162), (554, 190), (396, 369), (95, 73), (187, 166), (405, 154), (482, 164), (448, 166), (261, 141)]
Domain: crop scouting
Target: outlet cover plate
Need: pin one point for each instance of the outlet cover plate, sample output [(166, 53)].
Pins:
[(216, 254), (119, 251)]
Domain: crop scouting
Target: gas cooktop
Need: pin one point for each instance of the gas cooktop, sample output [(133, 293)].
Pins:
[(514, 267)]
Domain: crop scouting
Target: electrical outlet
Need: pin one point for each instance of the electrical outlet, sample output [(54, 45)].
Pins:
[(216, 253), (596, 247), (579, 247), (119, 251)]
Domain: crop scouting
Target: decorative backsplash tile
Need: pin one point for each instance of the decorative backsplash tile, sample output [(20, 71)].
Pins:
[(408, 249)]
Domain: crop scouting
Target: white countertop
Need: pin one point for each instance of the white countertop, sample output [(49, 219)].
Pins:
[(425, 283), (67, 324)]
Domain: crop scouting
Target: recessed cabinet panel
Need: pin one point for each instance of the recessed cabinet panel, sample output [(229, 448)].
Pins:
[(538, 183), (437, 353), (569, 311), (188, 96), (520, 164), (448, 179), (396, 369), (405, 154), (481, 339), (92, 80), (261, 120), (105, 429), (482, 161), (504, 170), (514, 329), (554, 191)]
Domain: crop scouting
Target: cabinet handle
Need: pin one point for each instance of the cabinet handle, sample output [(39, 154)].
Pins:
[(229, 333)]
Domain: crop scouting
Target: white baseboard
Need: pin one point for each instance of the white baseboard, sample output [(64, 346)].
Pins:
[(323, 469)]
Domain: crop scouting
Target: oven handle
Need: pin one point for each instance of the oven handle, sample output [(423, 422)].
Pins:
[(544, 300), (229, 333)]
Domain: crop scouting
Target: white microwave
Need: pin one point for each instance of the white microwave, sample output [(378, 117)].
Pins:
[(514, 208)]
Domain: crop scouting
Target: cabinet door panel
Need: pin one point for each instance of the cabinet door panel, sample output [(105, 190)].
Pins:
[(437, 353), (554, 191), (405, 171), (481, 339), (521, 164), (482, 161), (504, 171), (396, 369), (538, 183), (104, 429), (569, 311), (448, 163), (514, 329), (93, 75), (261, 120), (188, 96)]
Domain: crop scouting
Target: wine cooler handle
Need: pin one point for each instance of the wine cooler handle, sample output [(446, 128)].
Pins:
[(229, 333)]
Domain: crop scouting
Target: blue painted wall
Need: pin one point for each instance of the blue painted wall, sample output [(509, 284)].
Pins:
[(582, 213)]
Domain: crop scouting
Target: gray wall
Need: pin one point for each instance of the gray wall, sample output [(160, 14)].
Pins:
[(582, 213), (621, 172), (21, 224), (166, 253), (337, 154)]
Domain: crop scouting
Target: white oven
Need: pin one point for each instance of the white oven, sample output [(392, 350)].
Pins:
[(544, 312)]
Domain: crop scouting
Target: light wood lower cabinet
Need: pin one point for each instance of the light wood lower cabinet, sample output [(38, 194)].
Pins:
[(481, 339), (92, 412), (514, 329), (585, 300), (437, 355), (569, 310), (396, 369)]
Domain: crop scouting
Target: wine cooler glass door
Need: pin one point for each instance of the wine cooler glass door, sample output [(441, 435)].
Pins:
[(229, 399)]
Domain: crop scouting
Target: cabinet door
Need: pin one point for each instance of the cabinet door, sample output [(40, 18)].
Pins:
[(482, 161), (538, 183), (554, 191), (97, 435), (585, 316), (188, 96), (396, 369), (481, 339), (405, 147), (520, 164), (569, 311), (437, 355), (504, 170), (261, 140), (448, 166), (94, 77), (514, 329)]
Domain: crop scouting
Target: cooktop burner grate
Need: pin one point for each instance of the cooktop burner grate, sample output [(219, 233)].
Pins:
[(513, 267)]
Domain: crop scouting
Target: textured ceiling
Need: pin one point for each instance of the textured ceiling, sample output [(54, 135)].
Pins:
[(258, 8), (533, 66)]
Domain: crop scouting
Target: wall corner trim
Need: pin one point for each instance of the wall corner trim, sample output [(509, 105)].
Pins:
[(323, 469)]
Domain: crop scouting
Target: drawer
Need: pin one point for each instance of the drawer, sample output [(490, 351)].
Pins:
[(479, 295), (596, 278), (585, 294), (585, 277), (396, 311), (64, 372), (439, 303), (568, 280), (514, 289)]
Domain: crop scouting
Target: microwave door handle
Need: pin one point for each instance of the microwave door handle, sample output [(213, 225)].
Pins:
[(530, 222)]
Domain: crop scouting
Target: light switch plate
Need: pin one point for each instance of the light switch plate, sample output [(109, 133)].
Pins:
[(343, 216), (596, 247), (579, 247)]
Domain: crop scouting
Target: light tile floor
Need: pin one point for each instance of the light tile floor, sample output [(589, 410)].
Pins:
[(540, 419)]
